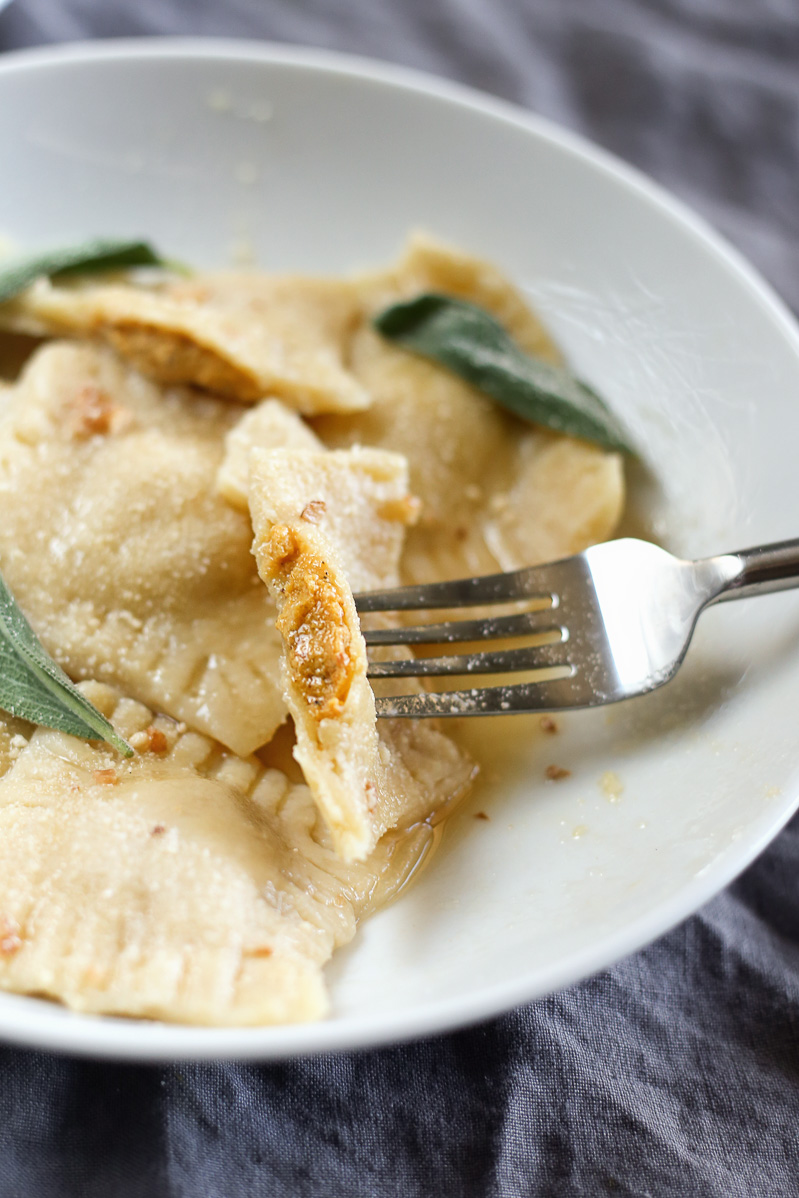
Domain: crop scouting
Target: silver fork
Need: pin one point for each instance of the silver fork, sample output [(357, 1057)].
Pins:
[(618, 621)]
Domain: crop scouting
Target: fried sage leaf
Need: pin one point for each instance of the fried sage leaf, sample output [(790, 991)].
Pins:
[(471, 343), (89, 257), (33, 687)]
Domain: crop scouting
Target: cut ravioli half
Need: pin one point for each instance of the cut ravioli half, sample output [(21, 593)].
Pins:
[(115, 543), (356, 500), (497, 492), (269, 425), (323, 524), (187, 884), (240, 335)]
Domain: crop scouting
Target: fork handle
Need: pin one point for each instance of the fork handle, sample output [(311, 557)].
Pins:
[(760, 570)]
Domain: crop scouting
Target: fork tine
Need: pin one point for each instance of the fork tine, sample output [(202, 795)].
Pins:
[(527, 622), (548, 695), (465, 592), (503, 661)]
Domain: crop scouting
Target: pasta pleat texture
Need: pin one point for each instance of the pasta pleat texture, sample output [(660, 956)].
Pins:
[(188, 884)]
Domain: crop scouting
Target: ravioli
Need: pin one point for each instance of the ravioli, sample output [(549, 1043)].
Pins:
[(323, 524), (497, 493), (115, 543), (245, 336), (187, 884)]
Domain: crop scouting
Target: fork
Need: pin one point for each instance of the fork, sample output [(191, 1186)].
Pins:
[(617, 620)]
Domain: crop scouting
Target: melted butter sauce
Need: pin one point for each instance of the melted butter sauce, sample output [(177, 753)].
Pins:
[(500, 746)]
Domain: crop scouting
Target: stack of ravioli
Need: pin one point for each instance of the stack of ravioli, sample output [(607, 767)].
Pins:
[(195, 477)]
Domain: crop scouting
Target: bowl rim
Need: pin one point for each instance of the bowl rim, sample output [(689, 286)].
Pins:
[(139, 1040)]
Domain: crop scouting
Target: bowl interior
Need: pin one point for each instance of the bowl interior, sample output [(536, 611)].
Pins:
[(223, 153)]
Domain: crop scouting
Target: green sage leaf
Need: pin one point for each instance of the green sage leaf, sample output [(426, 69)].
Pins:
[(34, 688), (471, 343), (89, 257)]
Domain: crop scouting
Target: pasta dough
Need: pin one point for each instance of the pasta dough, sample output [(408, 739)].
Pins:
[(357, 500), (269, 425)]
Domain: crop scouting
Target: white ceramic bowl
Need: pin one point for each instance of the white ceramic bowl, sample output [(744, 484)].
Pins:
[(317, 162)]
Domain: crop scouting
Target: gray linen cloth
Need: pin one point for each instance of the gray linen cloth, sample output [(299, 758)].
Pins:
[(675, 1073)]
